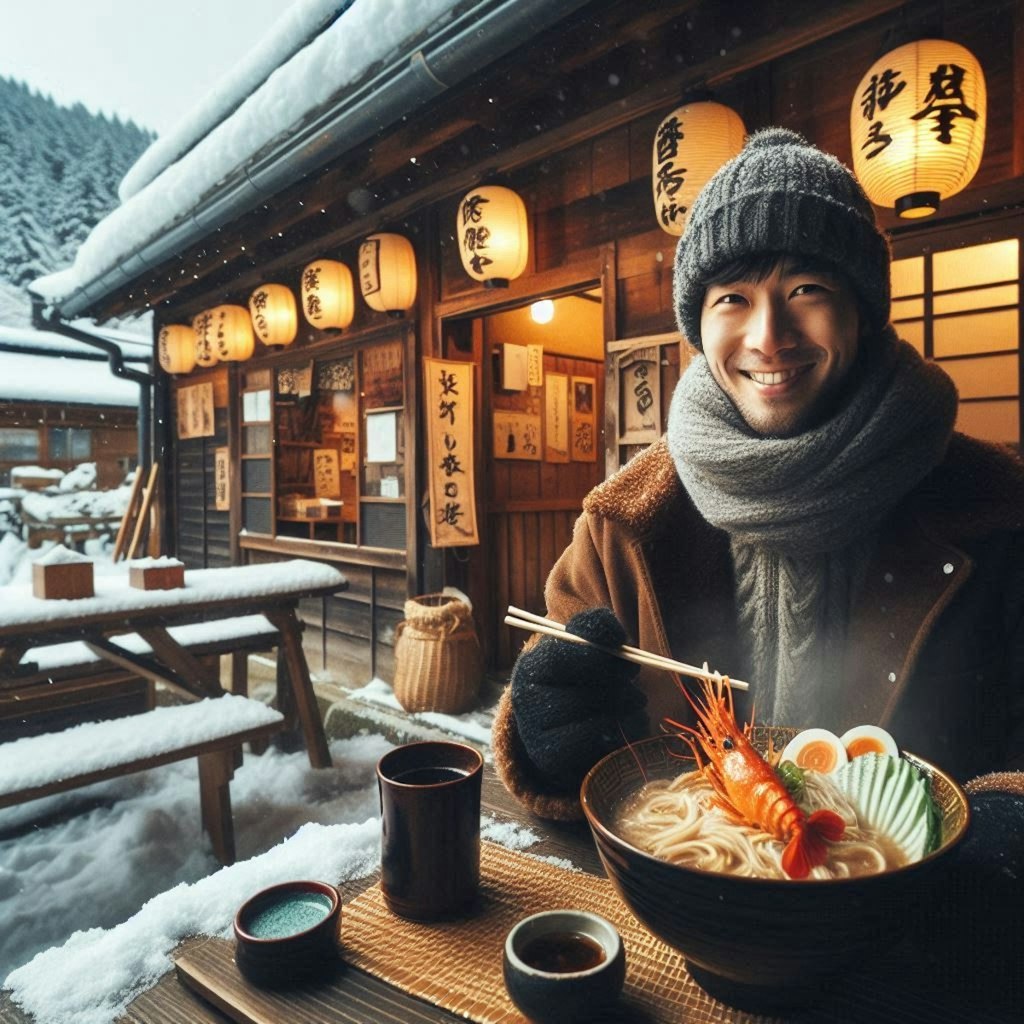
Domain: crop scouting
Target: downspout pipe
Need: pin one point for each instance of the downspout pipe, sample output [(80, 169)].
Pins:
[(44, 319), (477, 38)]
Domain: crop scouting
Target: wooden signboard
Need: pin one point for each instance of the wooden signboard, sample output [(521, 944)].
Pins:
[(195, 411), (640, 396)]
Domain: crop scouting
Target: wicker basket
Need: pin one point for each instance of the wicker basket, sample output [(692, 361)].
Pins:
[(437, 655)]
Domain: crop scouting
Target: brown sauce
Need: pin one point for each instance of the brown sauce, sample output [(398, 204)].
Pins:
[(562, 953)]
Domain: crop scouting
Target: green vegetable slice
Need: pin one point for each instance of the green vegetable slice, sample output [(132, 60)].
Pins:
[(792, 777), (894, 798)]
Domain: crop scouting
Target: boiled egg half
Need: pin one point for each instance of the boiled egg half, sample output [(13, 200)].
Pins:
[(816, 749), (868, 739)]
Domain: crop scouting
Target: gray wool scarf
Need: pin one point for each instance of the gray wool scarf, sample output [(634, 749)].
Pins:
[(802, 512)]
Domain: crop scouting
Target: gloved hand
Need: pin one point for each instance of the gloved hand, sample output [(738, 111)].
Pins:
[(569, 700)]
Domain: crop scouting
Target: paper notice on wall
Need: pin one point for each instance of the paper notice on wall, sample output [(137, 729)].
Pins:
[(326, 473), (515, 374), (221, 479), (556, 417), (535, 365)]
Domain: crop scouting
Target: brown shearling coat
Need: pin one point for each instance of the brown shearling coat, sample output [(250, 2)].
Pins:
[(935, 649)]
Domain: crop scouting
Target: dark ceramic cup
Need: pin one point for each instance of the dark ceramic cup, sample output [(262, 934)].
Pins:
[(563, 966), (430, 829), (288, 933)]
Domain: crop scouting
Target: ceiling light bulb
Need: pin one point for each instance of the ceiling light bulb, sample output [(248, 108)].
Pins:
[(543, 311)]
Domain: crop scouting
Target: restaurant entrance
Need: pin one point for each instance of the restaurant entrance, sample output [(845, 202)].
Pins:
[(539, 450)]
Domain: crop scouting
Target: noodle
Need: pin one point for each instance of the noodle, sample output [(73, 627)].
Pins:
[(673, 820)]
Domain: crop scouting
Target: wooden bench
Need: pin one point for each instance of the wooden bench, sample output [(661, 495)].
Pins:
[(211, 730), (63, 684)]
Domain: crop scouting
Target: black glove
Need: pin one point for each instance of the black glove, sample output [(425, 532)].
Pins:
[(570, 700)]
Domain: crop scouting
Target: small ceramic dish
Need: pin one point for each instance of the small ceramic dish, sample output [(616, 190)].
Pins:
[(561, 966), (288, 933)]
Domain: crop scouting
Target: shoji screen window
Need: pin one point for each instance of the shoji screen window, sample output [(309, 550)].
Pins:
[(961, 307)]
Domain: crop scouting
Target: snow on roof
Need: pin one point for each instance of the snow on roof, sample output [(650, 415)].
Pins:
[(134, 347), (36, 378), (367, 33), (292, 30), (202, 587)]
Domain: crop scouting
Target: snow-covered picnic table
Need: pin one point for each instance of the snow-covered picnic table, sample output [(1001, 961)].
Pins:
[(272, 590)]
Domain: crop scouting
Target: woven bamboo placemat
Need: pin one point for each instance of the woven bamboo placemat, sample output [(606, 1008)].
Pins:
[(457, 964)]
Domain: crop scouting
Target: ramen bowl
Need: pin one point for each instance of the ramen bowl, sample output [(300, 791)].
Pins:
[(757, 944)]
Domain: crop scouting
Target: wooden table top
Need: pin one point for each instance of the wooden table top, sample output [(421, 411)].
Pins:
[(896, 993)]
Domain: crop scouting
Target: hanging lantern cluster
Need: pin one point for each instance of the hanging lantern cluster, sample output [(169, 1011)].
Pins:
[(274, 315), (387, 273), (690, 145), (176, 348), (917, 126), (492, 233)]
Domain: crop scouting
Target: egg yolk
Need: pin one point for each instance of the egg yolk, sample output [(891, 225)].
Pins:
[(818, 756), (864, 745)]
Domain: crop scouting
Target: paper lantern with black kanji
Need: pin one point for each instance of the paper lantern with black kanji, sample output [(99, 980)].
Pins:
[(176, 348), (206, 349), (492, 233), (327, 295), (917, 126), (274, 316), (690, 145), (232, 333), (387, 273)]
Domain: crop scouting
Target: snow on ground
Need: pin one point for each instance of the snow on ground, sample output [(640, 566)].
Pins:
[(127, 871)]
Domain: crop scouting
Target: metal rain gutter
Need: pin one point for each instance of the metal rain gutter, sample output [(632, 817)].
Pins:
[(115, 357), (476, 39)]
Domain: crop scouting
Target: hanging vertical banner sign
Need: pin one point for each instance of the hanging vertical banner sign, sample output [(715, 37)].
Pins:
[(639, 396), (452, 489), (556, 417), (535, 365), (221, 479)]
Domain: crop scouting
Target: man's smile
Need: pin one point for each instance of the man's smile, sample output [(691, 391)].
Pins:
[(769, 377)]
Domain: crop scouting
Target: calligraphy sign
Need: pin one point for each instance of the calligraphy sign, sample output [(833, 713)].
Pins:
[(195, 411), (326, 473), (535, 365), (584, 420), (221, 479), (556, 417), (516, 435), (451, 485), (639, 396)]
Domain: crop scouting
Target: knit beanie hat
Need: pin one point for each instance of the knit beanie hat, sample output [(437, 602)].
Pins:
[(782, 195)]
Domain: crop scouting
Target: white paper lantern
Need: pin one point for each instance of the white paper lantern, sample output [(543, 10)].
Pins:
[(387, 273), (233, 340), (917, 126), (206, 349), (690, 145), (176, 348), (327, 296), (492, 232), (274, 316)]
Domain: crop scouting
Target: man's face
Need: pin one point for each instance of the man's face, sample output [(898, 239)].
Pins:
[(780, 348)]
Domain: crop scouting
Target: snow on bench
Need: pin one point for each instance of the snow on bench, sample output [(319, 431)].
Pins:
[(219, 633), (212, 730)]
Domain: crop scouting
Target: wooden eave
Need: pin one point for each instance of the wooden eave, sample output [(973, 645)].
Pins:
[(567, 87)]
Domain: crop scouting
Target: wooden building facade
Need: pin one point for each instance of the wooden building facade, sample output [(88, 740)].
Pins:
[(566, 120)]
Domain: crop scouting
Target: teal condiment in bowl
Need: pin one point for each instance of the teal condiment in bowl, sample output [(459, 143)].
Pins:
[(288, 934)]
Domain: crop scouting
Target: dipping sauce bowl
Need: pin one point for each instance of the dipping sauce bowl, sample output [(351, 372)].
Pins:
[(562, 966), (288, 933)]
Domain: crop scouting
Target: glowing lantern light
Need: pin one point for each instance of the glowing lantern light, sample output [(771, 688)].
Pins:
[(493, 242), (272, 307), (327, 298), (689, 146), (233, 340), (387, 273), (206, 348), (176, 348), (917, 126)]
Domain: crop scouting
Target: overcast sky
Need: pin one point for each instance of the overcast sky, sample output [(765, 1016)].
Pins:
[(147, 61)]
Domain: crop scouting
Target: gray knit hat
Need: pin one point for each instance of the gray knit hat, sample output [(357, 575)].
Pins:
[(782, 195)]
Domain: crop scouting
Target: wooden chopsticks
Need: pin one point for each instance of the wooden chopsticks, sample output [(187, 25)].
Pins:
[(522, 619)]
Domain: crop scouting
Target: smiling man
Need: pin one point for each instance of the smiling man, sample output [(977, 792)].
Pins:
[(811, 522)]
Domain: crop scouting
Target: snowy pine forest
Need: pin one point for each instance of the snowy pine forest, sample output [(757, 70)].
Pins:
[(59, 172)]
